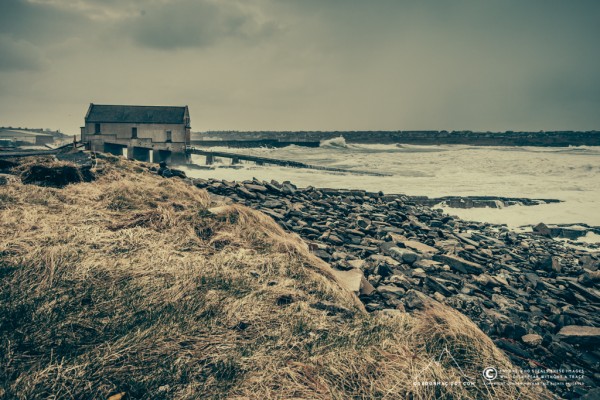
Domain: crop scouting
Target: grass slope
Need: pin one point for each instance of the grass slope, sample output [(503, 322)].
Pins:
[(129, 284)]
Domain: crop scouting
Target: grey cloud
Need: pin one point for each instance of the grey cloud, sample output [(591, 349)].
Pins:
[(18, 55), (194, 23)]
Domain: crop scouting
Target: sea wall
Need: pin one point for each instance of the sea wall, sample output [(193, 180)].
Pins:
[(508, 138)]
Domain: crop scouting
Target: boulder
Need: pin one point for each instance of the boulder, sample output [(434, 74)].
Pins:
[(245, 192), (57, 176), (437, 286), (322, 254), (365, 287), (388, 291), (427, 265), (335, 239), (589, 263), (273, 214), (589, 278), (573, 232), (417, 273), (177, 173), (358, 264), (255, 188), (556, 264), (403, 255), (417, 300), (542, 229), (589, 293), (532, 339), (378, 259)]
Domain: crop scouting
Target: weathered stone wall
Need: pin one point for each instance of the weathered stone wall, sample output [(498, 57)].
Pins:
[(149, 137), (154, 132)]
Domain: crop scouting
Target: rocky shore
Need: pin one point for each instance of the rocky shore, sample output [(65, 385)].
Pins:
[(536, 297)]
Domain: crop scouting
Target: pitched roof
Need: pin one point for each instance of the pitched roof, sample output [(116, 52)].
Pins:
[(136, 114)]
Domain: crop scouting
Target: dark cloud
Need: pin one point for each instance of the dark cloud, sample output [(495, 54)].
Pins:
[(39, 23), (308, 64)]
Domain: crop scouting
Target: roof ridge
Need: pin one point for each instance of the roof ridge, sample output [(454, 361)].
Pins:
[(115, 113)]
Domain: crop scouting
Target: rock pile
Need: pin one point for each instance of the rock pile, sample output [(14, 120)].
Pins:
[(537, 298), (58, 171), (57, 176)]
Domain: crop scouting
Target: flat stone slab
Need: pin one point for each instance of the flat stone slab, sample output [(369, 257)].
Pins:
[(459, 264), (350, 279), (391, 290), (532, 339), (577, 334), (420, 247)]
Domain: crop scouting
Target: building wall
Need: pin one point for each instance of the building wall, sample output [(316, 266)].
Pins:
[(20, 140), (26, 137), (156, 133)]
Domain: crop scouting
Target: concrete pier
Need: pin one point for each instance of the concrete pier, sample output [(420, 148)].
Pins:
[(236, 158)]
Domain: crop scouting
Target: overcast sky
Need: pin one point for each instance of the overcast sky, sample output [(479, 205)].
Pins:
[(306, 64)]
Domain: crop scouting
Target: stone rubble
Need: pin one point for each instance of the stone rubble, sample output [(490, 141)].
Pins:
[(537, 298)]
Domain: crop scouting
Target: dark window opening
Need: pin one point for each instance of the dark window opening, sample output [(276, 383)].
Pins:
[(169, 137), (96, 129), (134, 133)]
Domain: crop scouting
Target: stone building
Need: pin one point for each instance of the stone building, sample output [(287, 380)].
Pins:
[(145, 133), (23, 137)]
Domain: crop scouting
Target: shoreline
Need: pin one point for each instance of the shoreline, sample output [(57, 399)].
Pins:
[(125, 284), (535, 297)]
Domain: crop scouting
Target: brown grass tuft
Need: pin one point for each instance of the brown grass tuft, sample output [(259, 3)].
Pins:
[(130, 284)]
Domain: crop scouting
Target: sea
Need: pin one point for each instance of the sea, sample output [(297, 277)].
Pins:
[(569, 174)]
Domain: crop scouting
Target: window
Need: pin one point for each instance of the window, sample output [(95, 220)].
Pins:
[(96, 129), (169, 137), (134, 133)]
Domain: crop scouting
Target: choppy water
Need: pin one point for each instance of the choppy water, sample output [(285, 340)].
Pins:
[(569, 174)]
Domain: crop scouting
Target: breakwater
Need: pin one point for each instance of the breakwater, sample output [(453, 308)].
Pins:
[(311, 138)]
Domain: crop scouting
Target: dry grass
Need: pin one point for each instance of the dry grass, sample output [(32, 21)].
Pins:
[(129, 284)]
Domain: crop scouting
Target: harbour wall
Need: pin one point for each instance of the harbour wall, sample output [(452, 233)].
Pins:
[(310, 138)]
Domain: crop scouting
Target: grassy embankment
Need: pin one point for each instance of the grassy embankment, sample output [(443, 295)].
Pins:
[(130, 284)]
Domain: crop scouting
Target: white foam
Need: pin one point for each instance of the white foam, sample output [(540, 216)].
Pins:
[(334, 142), (569, 174)]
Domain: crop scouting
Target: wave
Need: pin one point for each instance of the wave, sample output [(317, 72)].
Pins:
[(587, 150), (338, 142), (415, 148)]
